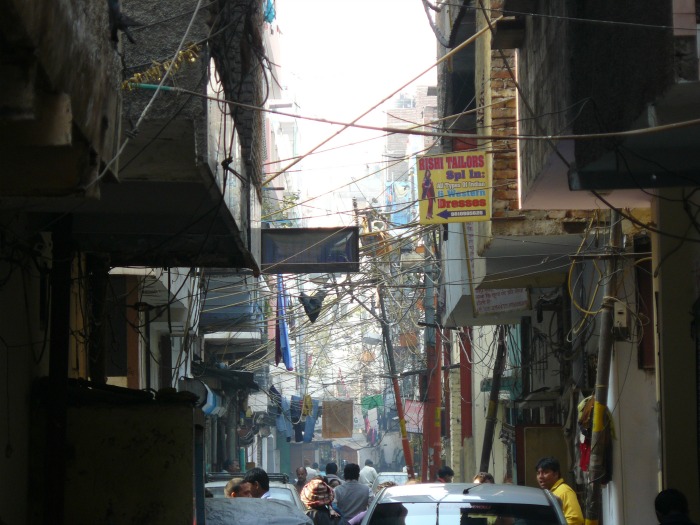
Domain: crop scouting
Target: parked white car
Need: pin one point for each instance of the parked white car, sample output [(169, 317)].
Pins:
[(278, 490), (464, 504), (400, 478), (253, 511)]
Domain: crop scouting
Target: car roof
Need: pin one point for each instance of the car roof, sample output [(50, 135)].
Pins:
[(279, 484), (253, 511), (460, 492)]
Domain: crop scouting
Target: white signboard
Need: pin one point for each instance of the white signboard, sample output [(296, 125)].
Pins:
[(493, 301)]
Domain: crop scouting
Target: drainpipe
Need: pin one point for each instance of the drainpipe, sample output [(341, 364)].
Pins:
[(596, 466), (493, 401)]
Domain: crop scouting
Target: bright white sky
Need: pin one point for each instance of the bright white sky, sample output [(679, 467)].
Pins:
[(342, 57)]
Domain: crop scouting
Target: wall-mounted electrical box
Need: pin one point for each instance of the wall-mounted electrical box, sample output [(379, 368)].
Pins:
[(621, 321)]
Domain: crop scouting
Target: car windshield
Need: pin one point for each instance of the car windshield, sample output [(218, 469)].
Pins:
[(281, 493), (462, 514), (217, 490), (397, 478)]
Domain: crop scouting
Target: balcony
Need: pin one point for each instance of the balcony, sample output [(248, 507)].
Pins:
[(59, 107), (608, 96), (166, 200)]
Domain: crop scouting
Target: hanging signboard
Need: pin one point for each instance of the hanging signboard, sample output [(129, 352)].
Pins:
[(454, 187), (310, 250), (491, 301)]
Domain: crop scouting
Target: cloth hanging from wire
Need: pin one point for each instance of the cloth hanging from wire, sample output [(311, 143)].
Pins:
[(312, 304), (282, 350), (270, 12), (370, 402), (337, 419), (310, 423), (284, 419)]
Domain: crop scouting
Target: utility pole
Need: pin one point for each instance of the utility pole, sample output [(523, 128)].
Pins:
[(386, 333), (397, 391), (466, 406), (394, 378), (493, 400), (432, 440), (596, 466)]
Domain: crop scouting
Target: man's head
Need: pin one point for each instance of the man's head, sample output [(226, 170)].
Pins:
[(301, 474), (384, 485), (314, 465), (351, 471), (669, 502), (484, 477), (231, 465), (331, 468), (446, 474), (237, 488), (259, 481), (548, 472), (369, 463)]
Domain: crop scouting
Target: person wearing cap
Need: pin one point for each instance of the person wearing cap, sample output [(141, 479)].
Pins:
[(318, 496)]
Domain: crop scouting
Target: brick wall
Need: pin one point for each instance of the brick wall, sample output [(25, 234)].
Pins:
[(589, 77), (497, 97)]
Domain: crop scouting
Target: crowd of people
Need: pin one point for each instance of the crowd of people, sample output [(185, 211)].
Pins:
[(331, 500)]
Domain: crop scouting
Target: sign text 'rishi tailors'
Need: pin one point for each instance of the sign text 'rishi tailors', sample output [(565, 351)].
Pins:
[(455, 187)]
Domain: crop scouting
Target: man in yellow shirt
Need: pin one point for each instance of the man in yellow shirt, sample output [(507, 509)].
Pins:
[(549, 477)]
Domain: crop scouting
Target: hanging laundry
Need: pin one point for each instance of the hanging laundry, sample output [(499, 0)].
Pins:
[(299, 432), (269, 14), (307, 406), (369, 402), (585, 423), (311, 419), (296, 403), (373, 417), (312, 304), (284, 420), (282, 350), (274, 404)]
